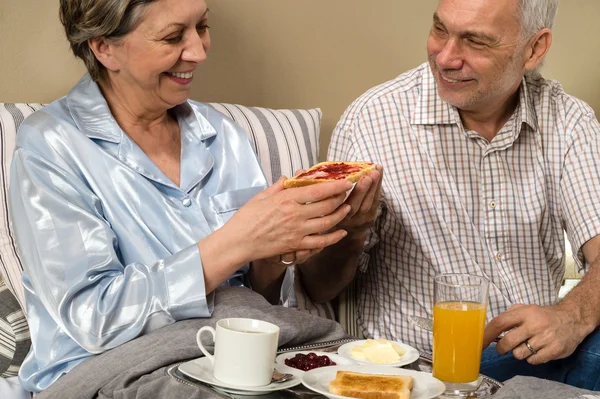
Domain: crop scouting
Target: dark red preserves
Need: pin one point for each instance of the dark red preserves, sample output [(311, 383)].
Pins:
[(332, 171), (308, 361)]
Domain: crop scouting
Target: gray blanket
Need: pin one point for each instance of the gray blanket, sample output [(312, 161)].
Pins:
[(137, 369), (536, 388)]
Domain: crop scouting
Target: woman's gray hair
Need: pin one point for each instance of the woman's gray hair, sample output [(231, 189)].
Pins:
[(90, 19), (536, 15)]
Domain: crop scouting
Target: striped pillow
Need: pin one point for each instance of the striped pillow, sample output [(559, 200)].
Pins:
[(285, 140), (14, 334), (11, 116)]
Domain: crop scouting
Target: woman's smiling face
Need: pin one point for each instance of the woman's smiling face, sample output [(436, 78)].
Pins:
[(155, 62)]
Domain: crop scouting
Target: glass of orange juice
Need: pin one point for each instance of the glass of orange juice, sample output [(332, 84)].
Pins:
[(459, 313)]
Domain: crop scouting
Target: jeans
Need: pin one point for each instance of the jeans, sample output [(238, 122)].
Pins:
[(581, 369)]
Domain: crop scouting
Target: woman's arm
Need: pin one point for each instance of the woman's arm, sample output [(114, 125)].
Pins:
[(72, 263), (274, 222)]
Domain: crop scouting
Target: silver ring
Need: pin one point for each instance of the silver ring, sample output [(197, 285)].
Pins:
[(285, 262), (528, 345)]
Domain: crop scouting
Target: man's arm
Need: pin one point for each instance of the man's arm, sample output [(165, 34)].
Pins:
[(553, 331), (584, 299), (326, 274)]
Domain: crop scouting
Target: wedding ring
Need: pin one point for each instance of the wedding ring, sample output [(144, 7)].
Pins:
[(286, 262), (528, 345)]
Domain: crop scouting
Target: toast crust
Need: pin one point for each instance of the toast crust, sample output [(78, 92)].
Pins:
[(333, 169), (371, 386)]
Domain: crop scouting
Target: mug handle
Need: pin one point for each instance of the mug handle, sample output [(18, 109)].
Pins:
[(199, 341)]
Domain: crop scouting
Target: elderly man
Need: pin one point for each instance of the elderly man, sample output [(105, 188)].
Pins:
[(486, 165)]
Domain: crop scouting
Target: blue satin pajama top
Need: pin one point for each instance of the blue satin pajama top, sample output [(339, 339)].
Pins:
[(108, 242)]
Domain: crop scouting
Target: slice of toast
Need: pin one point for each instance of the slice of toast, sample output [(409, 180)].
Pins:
[(371, 386), (330, 171)]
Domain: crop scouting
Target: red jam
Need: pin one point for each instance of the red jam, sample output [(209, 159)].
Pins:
[(309, 361)]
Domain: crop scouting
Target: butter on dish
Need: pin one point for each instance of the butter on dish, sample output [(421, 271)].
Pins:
[(378, 351)]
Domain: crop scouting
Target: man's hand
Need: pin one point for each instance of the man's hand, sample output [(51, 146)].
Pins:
[(364, 201), (553, 332)]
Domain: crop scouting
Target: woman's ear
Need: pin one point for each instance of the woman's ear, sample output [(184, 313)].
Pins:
[(103, 49), (539, 47)]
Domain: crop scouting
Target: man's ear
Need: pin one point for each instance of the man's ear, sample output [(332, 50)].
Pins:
[(103, 49), (538, 47)]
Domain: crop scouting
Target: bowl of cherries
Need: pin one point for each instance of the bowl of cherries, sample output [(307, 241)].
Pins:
[(299, 362)]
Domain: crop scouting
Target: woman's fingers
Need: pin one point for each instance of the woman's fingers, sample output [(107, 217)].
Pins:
[(322, 208), (322, 240), (296, 257), (325, 223), (318, 192)]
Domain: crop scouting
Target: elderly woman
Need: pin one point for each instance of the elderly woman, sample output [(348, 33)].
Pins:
[(132, 204)]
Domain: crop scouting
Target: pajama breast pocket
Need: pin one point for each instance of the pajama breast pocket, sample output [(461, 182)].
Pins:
[(227, 203)]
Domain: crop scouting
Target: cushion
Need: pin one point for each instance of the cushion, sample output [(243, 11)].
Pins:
[(284, 140), (11, 116), (14, 334)]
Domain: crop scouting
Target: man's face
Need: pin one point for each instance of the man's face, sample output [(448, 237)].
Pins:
[(475, 52)]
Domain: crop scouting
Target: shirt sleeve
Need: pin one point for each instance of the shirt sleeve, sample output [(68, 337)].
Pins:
[(580, 188), (71, 256)]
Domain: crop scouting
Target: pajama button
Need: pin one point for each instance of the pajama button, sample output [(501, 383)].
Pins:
[(186, 202)]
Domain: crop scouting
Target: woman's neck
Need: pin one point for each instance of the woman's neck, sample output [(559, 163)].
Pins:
[(130, 112)]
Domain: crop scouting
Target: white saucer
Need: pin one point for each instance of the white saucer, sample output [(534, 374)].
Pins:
[(280, 360), (201, 369), (425, 386), (410, 356)]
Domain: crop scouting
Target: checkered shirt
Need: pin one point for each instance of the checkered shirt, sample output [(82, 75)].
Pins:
[(454, 202)]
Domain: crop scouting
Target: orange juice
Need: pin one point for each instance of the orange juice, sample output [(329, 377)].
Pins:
[(457, 340)]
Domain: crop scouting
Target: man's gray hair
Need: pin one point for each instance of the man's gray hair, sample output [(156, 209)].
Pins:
[(536, 15)]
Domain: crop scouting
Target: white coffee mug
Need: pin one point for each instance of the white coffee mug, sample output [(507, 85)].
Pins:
[(245, 351)]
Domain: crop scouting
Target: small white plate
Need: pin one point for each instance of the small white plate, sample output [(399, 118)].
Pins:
[(425, 386), (280, 361), (410, 356), (201, 369)]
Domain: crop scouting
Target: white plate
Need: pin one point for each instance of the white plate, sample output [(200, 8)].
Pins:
[(201, 369), (425, 386), (280, 360), (410, 356)]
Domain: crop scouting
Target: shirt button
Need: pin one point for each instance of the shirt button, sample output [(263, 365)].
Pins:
[(499, 257), (186, 202), (492, 204)]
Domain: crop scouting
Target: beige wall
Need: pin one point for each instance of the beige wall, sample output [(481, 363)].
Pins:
[(284, 53)]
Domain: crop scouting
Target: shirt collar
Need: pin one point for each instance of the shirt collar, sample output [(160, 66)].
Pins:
[(526, 108), (432, 110), (92, 115)]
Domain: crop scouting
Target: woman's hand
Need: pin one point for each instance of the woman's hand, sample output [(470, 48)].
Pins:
[(363, 200), (296, 220), (293, 258)]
